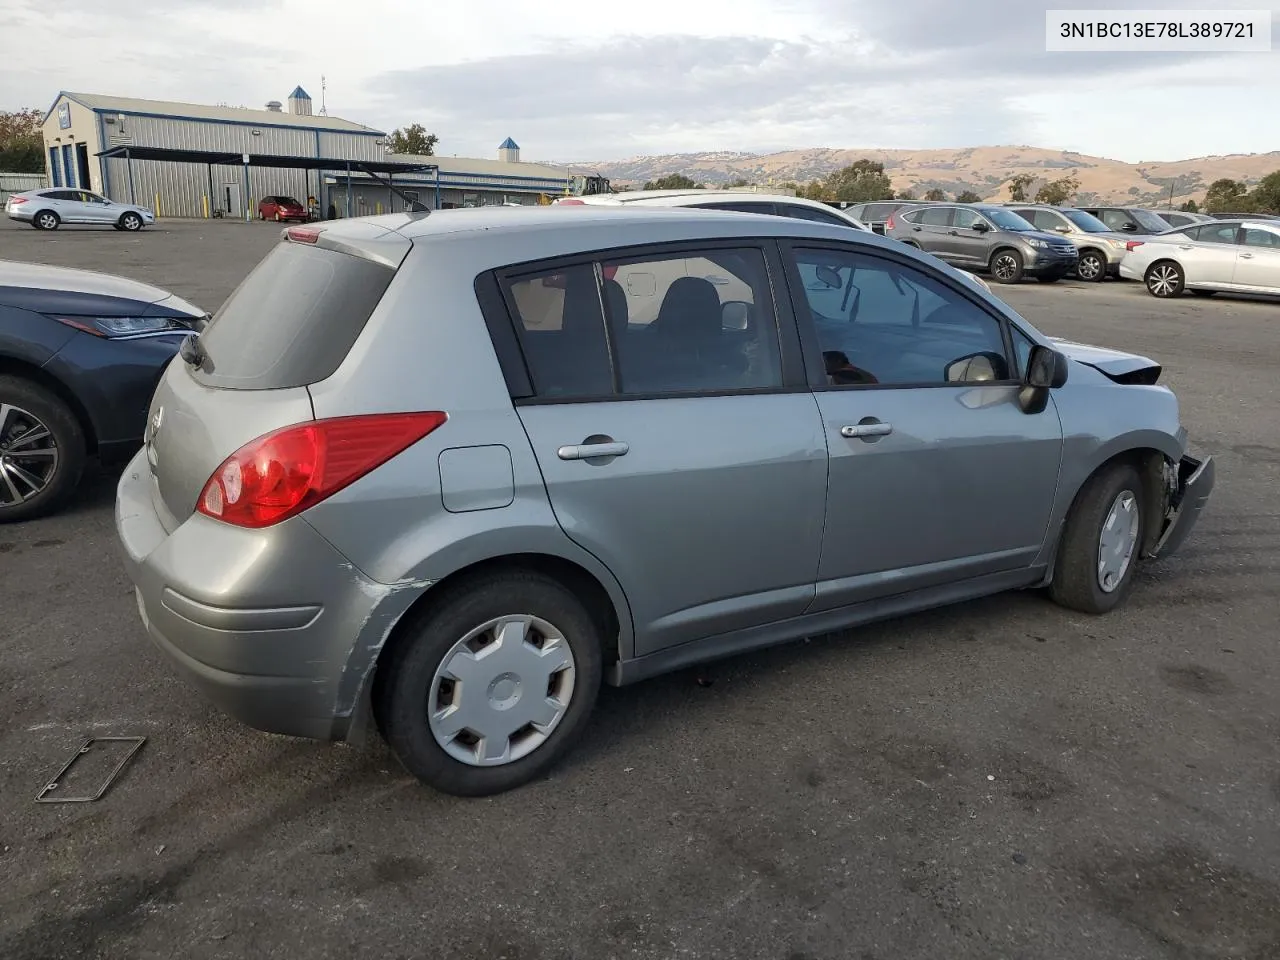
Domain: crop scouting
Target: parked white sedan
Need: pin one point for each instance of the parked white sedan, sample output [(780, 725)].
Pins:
[(1228, 256)]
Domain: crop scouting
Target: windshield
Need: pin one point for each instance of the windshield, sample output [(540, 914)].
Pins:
[(1006, 219), (1085, 221), (1149, 221)]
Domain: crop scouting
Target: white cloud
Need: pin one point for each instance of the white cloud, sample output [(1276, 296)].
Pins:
[(596, 81)]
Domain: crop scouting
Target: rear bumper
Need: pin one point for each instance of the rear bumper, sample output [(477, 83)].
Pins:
[(1194, 485), (273, 626), (19, 214)]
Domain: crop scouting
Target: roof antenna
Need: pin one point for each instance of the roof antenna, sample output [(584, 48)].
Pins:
[(324, 111)]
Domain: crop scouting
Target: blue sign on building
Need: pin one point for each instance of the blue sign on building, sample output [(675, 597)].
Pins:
[(64, 116)]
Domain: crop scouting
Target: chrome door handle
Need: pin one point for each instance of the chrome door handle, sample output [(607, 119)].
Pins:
[(860, 430), (1184, 246), (1246, 256), (589, 451)]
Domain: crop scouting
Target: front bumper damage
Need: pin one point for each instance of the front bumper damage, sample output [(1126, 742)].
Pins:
[(1187, 489)]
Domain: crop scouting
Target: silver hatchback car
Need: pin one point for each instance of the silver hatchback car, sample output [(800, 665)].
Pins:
[(450, 472), (49, 209)]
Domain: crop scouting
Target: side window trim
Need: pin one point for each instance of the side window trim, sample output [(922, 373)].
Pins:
[(812, 351), (501, 317)]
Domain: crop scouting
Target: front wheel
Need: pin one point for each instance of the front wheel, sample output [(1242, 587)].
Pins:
[(492, 686), (1006, 266), (1091, 267), (131, 222), (1165, 279), (1102, 542), (42, 450)]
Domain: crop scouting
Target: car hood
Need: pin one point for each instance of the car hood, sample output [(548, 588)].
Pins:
[(1119, 366), (45, 289), (1042, 235)]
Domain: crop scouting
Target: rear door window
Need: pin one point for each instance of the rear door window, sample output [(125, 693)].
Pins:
[(1213, 233), (293, 320), (933, 216)]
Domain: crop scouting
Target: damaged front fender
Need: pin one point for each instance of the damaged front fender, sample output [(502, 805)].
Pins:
[(1187, 490)]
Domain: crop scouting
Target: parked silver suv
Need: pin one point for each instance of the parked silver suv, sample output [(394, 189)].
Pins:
[(49, 209), (479, 461), (1100, 249)]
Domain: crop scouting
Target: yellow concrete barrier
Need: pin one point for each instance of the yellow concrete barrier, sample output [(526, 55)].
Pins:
[(157, 206), (204, 203)]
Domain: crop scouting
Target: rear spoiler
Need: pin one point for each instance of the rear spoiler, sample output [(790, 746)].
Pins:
[(356, 238)]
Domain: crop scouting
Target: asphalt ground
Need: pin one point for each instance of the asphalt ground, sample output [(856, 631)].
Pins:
[(997, 780)]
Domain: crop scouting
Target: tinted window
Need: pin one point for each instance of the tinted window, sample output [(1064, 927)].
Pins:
[(965, 219), (561, 330), (877, 212), (932, 216), (1042, 219), (740, 206), (1261, 238), (1086, 221), (879, 322), (799, 212), (1175, 219), (292, 320), (1116, 219), (1147, 221), (1213, 232), (692, 323)]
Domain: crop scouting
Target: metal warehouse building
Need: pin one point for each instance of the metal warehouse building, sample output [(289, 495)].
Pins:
[(79, 128)]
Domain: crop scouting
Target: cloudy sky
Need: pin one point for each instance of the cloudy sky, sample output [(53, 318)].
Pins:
[(595, 81)]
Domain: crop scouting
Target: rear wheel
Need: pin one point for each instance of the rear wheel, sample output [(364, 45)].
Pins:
[(1164, 278), (492, 686), (1091, 267), (1102, 542), (46, 220), (130, 221), (1006, 266), (42, 450)]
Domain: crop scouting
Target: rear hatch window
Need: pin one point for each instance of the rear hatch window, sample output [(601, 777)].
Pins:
[(293, 320)]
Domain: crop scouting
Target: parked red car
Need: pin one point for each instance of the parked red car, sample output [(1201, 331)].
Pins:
[(281, 208)]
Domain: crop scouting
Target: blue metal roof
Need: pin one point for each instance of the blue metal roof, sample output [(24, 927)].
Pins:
[(299, 94), (508, 144)]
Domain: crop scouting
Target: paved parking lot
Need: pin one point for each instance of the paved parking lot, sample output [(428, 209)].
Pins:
[(1001, 779)]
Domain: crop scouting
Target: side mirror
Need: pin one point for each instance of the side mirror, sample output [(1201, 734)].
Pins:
[(1046, 370), (980, 226), (735, 315), (1129, 227), (982, 367), (1062, 228)]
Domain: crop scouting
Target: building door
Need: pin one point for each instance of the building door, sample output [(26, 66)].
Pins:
[(55, 167), (68, 166), (231, 200), (82, 164)]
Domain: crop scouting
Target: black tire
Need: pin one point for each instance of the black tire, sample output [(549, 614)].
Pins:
[(403, 684), (1006, 266), (130, 221), (68, 439), (1204, 293), (46, 220), (1165, 279), (1091, 267), (1075, 582)]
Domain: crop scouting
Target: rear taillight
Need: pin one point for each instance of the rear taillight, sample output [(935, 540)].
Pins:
[(888, 223), (17, 200), (1131, 245), (285, 472), (572, 203)]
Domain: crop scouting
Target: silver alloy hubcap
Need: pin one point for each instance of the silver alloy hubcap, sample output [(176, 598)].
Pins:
[(1117, 541), (1005, 266), (501, 690), (47, 220), (28, 455), (1163, 281), (132, 223), (1088, 267)]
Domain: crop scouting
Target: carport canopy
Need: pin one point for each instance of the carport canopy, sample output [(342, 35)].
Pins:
[(212, 158)]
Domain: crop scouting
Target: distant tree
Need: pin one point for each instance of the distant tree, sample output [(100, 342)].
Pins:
[(734, 184), (673, 181), (814, 190), (1058, 192), (968, 196), (1265, 197), (1018, 186), (1224, 194), (1190, 207), (935, 195), (414, 139), (860, 181), (907, 194), (21, 143)]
